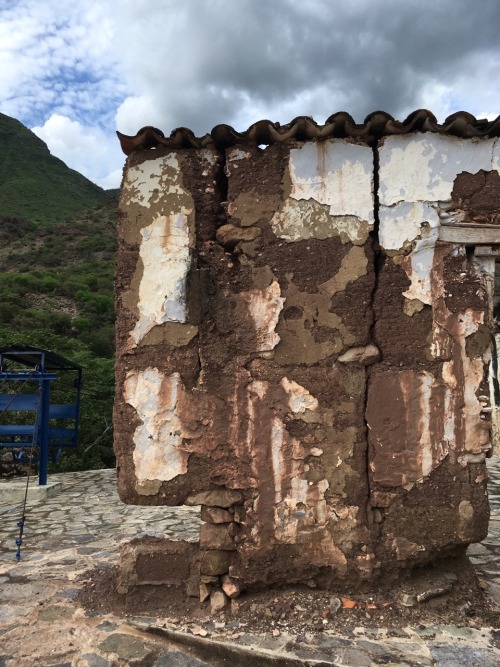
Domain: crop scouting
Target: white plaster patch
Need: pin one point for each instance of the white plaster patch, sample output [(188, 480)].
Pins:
[(264, 307), (471, 374), (423, 167), (335, 173), (421, 260), (297, 221), (165, 252), (403, 223), (158, 452), (147, 183)]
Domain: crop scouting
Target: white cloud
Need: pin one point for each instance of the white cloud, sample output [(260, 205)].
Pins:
[(87, 150), (198, 63)]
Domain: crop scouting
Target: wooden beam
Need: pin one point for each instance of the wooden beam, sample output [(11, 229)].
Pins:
[(470, 234)]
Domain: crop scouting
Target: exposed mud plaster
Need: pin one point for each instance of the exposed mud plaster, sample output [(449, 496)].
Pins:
[(353, 266), (172, 333), (301, 220), (158, 441), (250, 207), (298, 343)]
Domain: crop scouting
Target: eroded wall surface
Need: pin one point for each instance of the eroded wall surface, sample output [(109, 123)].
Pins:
[(302, 350)]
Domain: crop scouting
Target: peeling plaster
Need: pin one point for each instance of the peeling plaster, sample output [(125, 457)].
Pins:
[(418, 266), (299, 399), (265, 306), (158, 441), (151, 182), (335, 173), (417, 175), (331, 193), (402, 223), (423, 167), (165, 252)]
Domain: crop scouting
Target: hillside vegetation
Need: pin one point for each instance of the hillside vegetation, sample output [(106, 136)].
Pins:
[(57, 250), (35, 185)]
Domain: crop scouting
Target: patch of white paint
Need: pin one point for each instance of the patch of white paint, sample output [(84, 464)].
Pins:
[(158, 450), (165, 252), (148, 183), (335, 173), (420, 261), (338, 176), (277, 442), (425, 396), (423, 167), (404, 222), (476, 438), (264, 307)]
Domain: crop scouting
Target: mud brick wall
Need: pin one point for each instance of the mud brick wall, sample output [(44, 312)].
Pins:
[(302, 349)]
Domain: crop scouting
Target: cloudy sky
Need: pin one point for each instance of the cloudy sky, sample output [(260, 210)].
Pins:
[(74, 72)]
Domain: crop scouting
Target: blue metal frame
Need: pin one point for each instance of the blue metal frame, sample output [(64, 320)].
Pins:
[(40, 434)]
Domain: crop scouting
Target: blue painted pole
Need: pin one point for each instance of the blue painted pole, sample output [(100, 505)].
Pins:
[(44, 431)]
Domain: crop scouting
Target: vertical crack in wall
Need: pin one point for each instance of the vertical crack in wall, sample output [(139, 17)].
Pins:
[(378, 262)]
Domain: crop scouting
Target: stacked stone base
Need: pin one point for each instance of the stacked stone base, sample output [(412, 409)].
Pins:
[(202, 568)]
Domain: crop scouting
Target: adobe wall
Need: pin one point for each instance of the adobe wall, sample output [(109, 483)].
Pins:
[(302, 349)]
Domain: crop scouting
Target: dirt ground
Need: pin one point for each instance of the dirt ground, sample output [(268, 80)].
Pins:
[(448, 593)]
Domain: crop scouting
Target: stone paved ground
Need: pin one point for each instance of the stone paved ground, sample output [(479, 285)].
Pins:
[(42, 625)]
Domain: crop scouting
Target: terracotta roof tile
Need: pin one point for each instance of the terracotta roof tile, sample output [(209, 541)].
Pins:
[(340, 125)]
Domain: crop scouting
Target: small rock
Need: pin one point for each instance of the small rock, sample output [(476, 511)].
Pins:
[(218, 601), (230, 235), (215, 562), (408, 600), (483, 584), (335, 605), (215, 515), (216, 536), (230, 587), (216, 498), (239, 514), (204, 591), (467, 610), (198, 631), (276, 632), (360, 355), (433, 593)]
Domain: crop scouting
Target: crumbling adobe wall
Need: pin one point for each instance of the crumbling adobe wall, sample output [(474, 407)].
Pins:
[(302, 350)]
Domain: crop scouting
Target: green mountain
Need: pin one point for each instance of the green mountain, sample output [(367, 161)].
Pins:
[(35, 185), (57, 253)]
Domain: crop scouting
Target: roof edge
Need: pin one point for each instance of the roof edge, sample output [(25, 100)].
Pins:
[(340, 125)]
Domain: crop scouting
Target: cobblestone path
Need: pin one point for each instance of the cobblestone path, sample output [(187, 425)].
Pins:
[(84, 524)]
